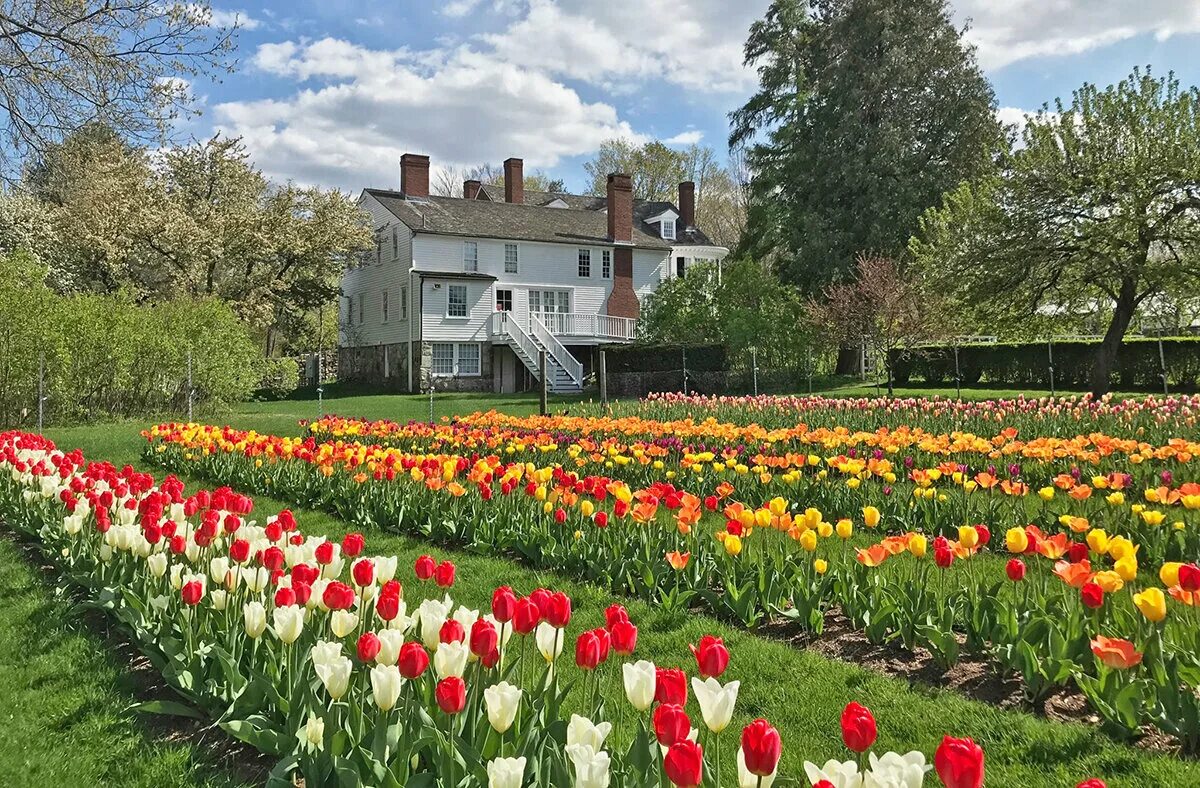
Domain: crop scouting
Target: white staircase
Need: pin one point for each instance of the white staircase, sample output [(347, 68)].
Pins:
[(564, 371)]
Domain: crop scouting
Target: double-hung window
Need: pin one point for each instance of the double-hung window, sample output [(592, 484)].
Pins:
[(511, 258), (404, 303), (470, 256), (395, 244), (361, 299), (456, 301), (606, 264), (443, 358), (668, 229), (450, 359), (468, 358), (585, 262), (386, 306)]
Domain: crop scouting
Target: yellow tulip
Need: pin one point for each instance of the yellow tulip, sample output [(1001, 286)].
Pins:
[(845, 528), (587, 508), (1097, 539), (821, 566), (1152, 603), (1046, 493), (1153, 517), (970, 485), (808, 540), (1169, 574), (1109, 580), (777, 506), (1016, 540), (968, 537), (733, 544), (917, 545), (870, 516), (853, 483), (1116, 498), (825, 530), (812, 517), (1120, 547), (1127, 568)]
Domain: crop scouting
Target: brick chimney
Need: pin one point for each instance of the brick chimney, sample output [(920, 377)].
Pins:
[(514, 181), (620, 208), (414, 175), (471, 189), (622, 301), (687, 204)]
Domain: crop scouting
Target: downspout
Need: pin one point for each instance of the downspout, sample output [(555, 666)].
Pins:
[(408, 306)]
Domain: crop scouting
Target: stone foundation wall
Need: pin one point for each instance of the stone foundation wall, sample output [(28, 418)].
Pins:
[(366, 365), (424, 361)]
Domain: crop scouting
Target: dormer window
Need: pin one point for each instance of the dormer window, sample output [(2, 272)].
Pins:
[(668, 229)]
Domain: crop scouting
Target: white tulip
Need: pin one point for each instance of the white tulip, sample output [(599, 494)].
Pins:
[(502, 701), (467, 618), (506, 772), (255, 579), (747, 778), (157, 564), (390, 641), (316, 599), (896, 771), (343, 622), (312, 735), (450, 659), (581, 730), (506, 629), (432, 614), (289, 623), (218, 568), (840, 774), (716, 702), (325, 651), (549, 641), (385, 686), (255, 617), (641, 680), (335, 675), (591, 767), (218, 599)]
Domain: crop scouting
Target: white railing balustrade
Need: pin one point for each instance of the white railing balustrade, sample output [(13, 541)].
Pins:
[(582, 324)]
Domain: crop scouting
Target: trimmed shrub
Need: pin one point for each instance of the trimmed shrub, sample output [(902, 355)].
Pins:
[(666, 358)]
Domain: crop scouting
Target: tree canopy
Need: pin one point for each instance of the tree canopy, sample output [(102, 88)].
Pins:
[(1097, 211), (867, 112)]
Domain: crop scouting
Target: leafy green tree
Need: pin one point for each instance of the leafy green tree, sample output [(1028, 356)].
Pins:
[(1097, 211), (866, 113)]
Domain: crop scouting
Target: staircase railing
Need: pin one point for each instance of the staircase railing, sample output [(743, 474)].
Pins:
[(557, 351), (504, 324)]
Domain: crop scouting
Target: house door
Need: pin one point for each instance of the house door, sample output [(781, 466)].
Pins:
[(553, 307)]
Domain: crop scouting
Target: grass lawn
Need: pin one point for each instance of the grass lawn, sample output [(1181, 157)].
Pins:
[(801, 692)]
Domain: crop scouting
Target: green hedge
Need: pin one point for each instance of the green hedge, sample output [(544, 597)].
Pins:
[(1027, 364), (665, 358)]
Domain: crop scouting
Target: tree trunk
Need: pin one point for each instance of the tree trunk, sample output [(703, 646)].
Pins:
[(849, 358), (1106, 353)]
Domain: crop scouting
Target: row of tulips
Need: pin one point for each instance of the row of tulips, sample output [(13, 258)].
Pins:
[(1067, 602), (306, 649)]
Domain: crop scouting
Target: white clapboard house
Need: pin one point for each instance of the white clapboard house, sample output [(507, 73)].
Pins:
[(466, 293)]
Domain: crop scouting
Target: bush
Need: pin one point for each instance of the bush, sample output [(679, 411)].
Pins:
[(1028, 364), (281, 377), (665, 358)]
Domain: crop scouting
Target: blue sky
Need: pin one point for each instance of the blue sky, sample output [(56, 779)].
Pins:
[(333, 92)]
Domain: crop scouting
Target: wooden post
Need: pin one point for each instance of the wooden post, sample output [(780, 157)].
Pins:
[(603, 380), (544, 384), (1050, 356)]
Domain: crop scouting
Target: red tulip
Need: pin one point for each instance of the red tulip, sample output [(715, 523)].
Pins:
[(624, 638), (1078, 551), (452, 632), (601, 519), (671, 724), (823, 784), (541, 598), (670, 686), (451, 694), (858, 727), (1015, 569), (285, 597), (711, 656), (959, 762), (303, 592), (761, 748), (324, 553), (413, 660), (560, 515), (587, 651), (484, 638), (444, 574), (387, 607), (615, 614), (527, 616), (684, 764), (943, 557), (239, 551), (363, 572), (368, 646), (985, 534), (192, 592), (424, 567), (1094, 782), (1189, 577), (558, 610), (504, 604), (1092, 594), (338, 596), (352, 545)]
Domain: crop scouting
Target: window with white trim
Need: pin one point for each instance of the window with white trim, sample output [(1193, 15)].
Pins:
[(470, 256), (585, 262), (456, 301), (404, 303), (668, 229), (511, 258), (443, 358), (468, 359), (504, 300), (361, 299), (395, 244), (606, 264), (386, 306)]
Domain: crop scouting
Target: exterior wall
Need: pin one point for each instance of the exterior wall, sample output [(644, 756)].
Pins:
[(381, 364), (423, 360), (386, 271)]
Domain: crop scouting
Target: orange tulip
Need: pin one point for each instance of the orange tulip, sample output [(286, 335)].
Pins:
[(1054, 547), (1074, 575), (873, 556), (1116, 652), (678, 560)]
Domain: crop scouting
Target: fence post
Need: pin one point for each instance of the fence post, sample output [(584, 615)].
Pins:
[(544, 384), (957, 374), (603, 379), (189, 384), (808, 366), (41, 388), (683, 351), (321, 387), (754, 367), (1050, 355), (1162, 365)]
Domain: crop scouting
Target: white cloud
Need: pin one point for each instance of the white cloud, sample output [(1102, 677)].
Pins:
[(366, 107), (1014, 30), (690, 137), (458, 8), (221, 18)]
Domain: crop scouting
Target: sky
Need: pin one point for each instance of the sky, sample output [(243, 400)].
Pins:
[(332, 92)]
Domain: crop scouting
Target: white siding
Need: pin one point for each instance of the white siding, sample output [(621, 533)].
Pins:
[(390, 272), (436, 326)]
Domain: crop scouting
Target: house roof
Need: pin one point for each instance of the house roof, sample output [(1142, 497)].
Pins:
[(584, 220)]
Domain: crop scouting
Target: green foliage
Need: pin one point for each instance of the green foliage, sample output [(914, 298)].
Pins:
[(1027, 364), (745, 307), (106, 355), (281, 377), (700, 357), (1099, 210), (867, 112)]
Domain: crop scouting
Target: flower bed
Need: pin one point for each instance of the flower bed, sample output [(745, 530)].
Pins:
[(1060, 612)]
